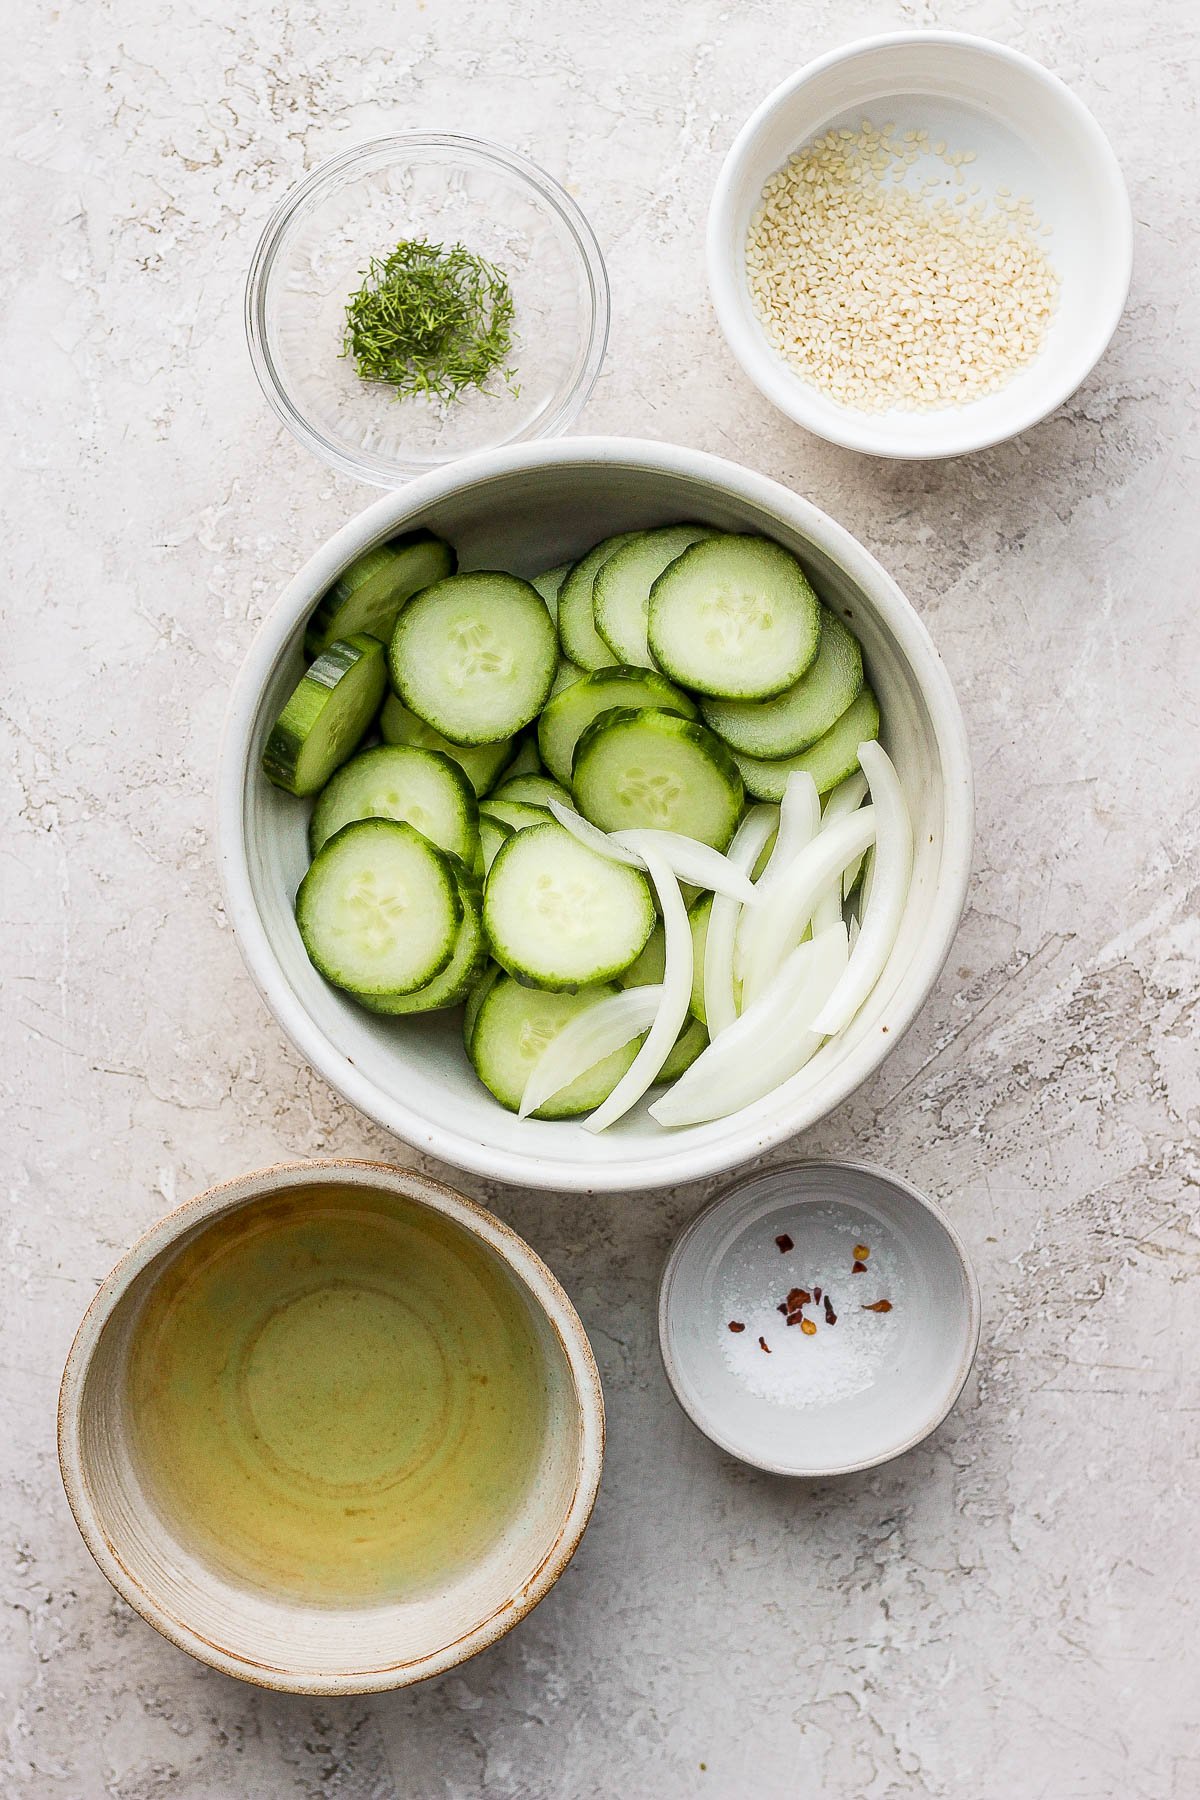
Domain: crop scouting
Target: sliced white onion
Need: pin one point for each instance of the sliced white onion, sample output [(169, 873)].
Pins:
[(868, 882), (799, 821), (586, 1040), (891, 874), (686, 857), (690, 860), (768, 1045), (781, 919), (847, 797), (673, 1005), (749, 841), (591, 835)]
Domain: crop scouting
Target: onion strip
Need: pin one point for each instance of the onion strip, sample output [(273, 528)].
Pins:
[(687, 858), (586, 1040), (749, 841), (768, 1044), (847, 797), (799, 822), (673, 1006), (782, 917), (592, 836), (690, 860), (891, 875)]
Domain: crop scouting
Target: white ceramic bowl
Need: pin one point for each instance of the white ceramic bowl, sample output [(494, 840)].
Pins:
[(857, 1392), (525, 509), (251, 1631), (1030, 133)]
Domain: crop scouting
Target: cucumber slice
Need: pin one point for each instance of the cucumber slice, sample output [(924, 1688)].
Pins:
[(492, 833), (801, 714), (482, 764), (475, 999), (369, 594), (698, 917), (651, 964), (561, 916), (511, 1028), (576, 624), (548, 584), (565, 675), (567, 716), (828, 761), (474, 656), (326, 716), (654, 768), (683, 1053), (535, 790), (647, 970), (395, 781), (621, 590), (378, 911), (526, 761), (735, 617), (459, 975), (518, 815)]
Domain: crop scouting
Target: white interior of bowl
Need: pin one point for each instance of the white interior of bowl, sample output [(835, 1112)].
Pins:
[(250, 1630), (933, 1331), (1030, 134), (524, 511)]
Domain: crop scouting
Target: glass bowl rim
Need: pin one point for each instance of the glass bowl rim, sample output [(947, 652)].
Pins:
[(381, 471)]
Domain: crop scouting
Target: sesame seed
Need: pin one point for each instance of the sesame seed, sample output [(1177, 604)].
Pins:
[(884, 298)]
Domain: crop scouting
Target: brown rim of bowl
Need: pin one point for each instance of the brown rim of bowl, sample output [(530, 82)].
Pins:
[(223, 1196)]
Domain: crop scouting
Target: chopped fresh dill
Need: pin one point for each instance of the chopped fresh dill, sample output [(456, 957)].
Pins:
[(431, 320)]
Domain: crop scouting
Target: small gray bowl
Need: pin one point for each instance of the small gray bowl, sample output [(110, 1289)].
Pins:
[(839, 1395)]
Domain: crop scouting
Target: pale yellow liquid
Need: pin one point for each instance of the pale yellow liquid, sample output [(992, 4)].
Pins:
[(338, 1395)]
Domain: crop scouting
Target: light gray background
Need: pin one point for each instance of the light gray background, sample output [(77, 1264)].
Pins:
[(1008, 1612)]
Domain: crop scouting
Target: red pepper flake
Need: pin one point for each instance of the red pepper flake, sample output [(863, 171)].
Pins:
[(862, 1251), (830, 1315), (878, 1306), (858, 1268), (785, 1243), (808, 1328), (763, 1345), (736, 1325), (782, 1307), (798, 1297), (817, 1296)]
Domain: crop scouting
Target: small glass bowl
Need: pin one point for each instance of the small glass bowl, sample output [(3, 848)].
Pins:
[(310, 260)]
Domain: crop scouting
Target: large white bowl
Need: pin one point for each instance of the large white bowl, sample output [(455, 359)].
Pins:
[(525, 509), (1030, 134)]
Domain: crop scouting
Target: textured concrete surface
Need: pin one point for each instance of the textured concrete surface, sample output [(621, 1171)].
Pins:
[(1010, 1611)]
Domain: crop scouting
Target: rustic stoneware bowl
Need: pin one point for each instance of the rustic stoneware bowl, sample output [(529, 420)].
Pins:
[(249, 1631), (525, 509)]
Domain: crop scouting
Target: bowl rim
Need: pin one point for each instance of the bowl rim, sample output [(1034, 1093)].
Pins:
[(967, 1354), (381, 471), (542, 1169), (850, 430), (519, 1258)]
